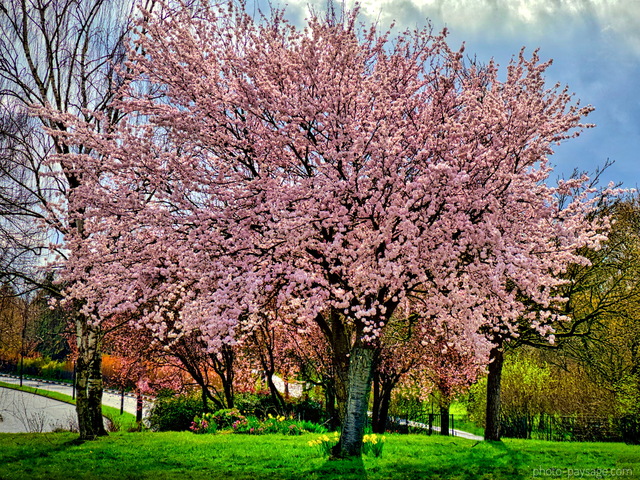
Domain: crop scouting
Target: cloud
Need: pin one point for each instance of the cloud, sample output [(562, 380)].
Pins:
[(613, 20)]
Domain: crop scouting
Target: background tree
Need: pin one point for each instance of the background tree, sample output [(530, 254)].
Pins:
[(596, 278), (21, 235), (316, 365), (18, 337), (604, 335), (202, 364), (63, 55)]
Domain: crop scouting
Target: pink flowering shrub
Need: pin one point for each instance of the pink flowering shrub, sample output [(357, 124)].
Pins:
[(204, 424), (232, 419)]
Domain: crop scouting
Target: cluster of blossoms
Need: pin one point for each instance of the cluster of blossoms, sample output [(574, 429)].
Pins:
[(279, 418), (324, 443), (275, 185), (204, 424), (372, 444)]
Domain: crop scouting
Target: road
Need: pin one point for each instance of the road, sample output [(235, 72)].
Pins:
[(424, 426), (23, 412), (18, 409)]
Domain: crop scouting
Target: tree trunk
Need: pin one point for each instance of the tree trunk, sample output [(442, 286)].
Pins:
[(340, 340), (89, 380), (229, 395), (341, 346), (377, 400), (330, 404), (276, 398), (360, 371), (444, 419), (382, 390), (341, 394), (139, 407), (205, 403), (223, 365), (492, 422)]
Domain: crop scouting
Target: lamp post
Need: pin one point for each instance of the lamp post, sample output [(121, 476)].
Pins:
[(73, 381), (22, 343)]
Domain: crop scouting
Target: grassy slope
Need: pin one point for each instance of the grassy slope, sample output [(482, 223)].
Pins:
[(126, 420), (161, 456)]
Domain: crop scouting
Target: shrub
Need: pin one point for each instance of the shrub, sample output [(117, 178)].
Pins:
[(228, 417), (205, 423), (311, 427), (250, 425), (309, 410), (37, 366), (172, 412), (262, 405), (281, 425), (234, 420), (256, 404)]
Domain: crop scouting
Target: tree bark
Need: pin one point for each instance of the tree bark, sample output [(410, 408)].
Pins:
[(276, 398), (224, 368), (89, 380), (360, 372), (330, 404), (492, 422), (341, 345), (444, 419), (340, 339), (382, 389)]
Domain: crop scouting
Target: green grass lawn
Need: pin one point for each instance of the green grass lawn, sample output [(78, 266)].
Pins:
[(159, 456)]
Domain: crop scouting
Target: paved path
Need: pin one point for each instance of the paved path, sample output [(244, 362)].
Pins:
[(23, 412), (109, 398), (456, 433)]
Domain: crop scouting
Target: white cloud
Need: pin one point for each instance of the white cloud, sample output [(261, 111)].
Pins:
[(617, 20)]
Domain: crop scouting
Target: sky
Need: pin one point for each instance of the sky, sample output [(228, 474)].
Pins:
[(594, 45)]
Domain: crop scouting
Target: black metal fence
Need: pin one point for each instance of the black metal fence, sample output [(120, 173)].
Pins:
[(571, 428)]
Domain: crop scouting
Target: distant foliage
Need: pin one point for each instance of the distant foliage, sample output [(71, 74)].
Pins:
[(533, 387), (40, 367), (630, 426)]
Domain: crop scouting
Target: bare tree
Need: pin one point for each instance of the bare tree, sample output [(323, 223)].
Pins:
[(64, 54)]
